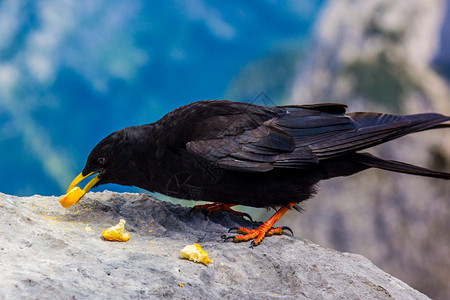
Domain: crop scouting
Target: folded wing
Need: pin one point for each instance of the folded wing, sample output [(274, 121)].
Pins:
[(301, 136)]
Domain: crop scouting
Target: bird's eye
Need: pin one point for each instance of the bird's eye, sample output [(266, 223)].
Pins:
[(101, 161)]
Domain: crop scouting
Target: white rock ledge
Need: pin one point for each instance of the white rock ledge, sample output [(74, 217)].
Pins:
[(48, 252)]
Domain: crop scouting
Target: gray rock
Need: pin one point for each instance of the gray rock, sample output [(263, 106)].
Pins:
[(48, 252)]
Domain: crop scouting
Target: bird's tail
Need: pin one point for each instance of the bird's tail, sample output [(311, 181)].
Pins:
[(401, 124), (372, 161), (438, 126)]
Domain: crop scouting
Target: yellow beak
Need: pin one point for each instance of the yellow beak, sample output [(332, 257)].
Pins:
[(74, 193)]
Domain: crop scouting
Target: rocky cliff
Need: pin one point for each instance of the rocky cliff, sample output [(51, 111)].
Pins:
[(48, 252)]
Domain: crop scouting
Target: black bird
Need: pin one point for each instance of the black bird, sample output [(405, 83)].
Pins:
[(234, 153)]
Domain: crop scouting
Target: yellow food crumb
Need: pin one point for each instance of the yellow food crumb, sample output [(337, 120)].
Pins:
[(195, 253), (116, 233), (180, 285), (148, 231), (87, 228), (72, 197)]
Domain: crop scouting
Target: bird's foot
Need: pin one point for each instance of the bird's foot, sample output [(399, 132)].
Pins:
[(211, 207), (257, 235)]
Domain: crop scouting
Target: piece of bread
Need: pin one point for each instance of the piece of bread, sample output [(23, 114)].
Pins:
[(116, 233), (72, 197), (195, 253)]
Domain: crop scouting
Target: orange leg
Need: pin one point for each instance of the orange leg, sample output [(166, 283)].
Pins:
[(210, 207), (264, 230)]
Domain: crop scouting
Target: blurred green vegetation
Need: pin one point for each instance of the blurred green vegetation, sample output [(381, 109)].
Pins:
[(273, 74), (382, 81)]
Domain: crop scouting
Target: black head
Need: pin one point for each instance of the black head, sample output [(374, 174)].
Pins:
[(122, 157), (112, 162), (111, 159)]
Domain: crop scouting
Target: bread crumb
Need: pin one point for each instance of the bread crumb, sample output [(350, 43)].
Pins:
[(195, 253), (116, 233), (71, 197), (180, 285)]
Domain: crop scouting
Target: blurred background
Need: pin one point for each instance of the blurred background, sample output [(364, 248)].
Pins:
[(71, 72)]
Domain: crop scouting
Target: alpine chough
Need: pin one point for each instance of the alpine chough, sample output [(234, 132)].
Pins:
[(234, 153)]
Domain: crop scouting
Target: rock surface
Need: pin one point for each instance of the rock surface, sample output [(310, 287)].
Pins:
[(48, 252)]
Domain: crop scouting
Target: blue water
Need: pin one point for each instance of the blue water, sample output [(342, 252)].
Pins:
[(73, 72)]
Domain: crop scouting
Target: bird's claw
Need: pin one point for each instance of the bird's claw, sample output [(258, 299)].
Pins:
[(233, 228), (246, 215), (226, 238), (287, 229)]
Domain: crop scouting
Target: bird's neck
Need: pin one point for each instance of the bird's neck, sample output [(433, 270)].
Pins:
[(142, 161)]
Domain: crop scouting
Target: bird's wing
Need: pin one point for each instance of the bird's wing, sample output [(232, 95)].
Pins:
[(302, 136), (372, 129), (332, 133), (266, 144), (254, 150), (309, 125)]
